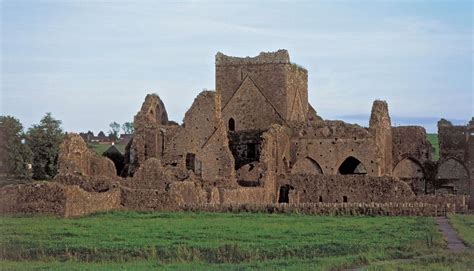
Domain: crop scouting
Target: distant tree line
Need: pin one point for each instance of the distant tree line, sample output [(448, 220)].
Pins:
[(114, 132), (30, 154)]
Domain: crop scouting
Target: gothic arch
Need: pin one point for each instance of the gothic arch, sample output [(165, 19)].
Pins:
[(351, 165), (452, 168), (306, 166)]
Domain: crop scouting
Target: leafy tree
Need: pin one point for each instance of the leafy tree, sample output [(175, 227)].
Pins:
[(44, 140), (128, 128), (114, 131), (15, 156)]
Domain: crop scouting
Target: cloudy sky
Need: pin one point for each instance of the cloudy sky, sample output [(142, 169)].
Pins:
[(93, 62)]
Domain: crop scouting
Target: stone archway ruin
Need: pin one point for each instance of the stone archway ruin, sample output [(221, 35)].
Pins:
[(306, 166), (352, 165)]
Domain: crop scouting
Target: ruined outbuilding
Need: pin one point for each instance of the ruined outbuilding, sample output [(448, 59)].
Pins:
[(257, 140)]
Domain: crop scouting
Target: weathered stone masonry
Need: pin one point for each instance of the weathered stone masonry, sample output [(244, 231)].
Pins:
[(256, 141)]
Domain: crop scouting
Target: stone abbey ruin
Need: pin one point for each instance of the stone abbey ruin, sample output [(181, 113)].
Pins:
[(256, 143)]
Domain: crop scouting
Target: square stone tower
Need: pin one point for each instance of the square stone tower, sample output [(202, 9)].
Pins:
[(259, 91)]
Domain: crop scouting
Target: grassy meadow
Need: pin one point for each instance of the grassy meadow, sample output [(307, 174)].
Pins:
[(101, 148), (433, 139), (207, 241)]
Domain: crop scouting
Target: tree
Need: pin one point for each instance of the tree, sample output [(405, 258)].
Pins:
[(128, 128), (114, 131), (44, 140), (15, 156)]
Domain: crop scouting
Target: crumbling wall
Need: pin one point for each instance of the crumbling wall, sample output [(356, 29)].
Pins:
[(249, 108), (153, 131), (274, 157), (297, 93), (80, 202), (76, 158), (56, 199), (245, 146), (151, 175), (347, 188), (263, 90), (201, 145), (410, 142), (452, 177), (178, 194), (452, 140), (38, 197), (88, 183), (470, 161), (330, 143), (380, 126)]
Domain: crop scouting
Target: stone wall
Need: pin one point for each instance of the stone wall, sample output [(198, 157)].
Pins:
[(56, 199), (410, 142), (346, 188), (381, 127), (202, 145), (297, 93), (178, 194), (333, 209), (331, 143), (245, 146), (150, 175), (452, 140), (153, 131), (76, 158), (260, 91), (80, 202)]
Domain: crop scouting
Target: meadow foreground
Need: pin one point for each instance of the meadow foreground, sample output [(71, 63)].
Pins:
[(141, 241)]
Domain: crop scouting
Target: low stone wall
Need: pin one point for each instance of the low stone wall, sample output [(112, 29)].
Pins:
[(347, 188), (460, 201), (80, 202), (56, 199), (38, 197), (179, 193), (88, 183), (372, 209), (243, 195), (144, 199)]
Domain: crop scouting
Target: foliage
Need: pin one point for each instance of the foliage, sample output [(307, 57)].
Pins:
[(14, 153), (128, 128), (44, 140), (216, 240), (464, 225), (114, 130), (438, 261), (433, 139)]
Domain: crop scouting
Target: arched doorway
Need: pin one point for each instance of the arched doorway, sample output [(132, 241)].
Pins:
[(452, 177), (352, 165)]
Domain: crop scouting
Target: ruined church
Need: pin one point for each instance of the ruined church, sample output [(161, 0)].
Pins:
[(257, 140)]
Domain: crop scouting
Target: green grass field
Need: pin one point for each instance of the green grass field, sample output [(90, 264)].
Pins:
[(101, 148), (464, 225), (433, 139), (205, 241)]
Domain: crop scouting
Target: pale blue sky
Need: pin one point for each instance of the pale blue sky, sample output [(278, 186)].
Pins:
[(93, 62)]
